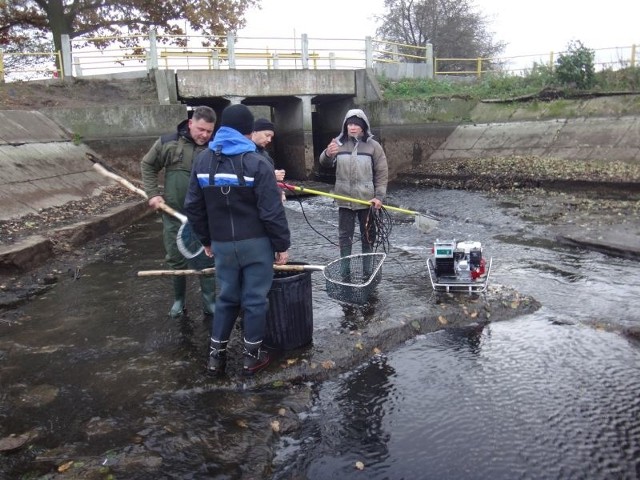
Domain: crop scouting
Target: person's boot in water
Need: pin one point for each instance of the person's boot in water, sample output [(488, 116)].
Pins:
[(217, 357), (179, 292), (255, 358)]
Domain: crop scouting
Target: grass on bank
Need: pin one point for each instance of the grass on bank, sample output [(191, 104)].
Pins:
[(503, 86)]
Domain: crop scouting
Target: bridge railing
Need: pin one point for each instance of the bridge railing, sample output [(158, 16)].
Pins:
[(84, 56)]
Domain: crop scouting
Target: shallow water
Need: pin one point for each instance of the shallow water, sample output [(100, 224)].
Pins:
[(100, 373)]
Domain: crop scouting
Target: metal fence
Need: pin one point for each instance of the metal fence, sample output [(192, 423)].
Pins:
[(80, 57)]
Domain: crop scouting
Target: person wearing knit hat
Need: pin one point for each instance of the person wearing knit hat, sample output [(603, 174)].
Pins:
[(262, 136), (354, 120), (233, 206), (362, 172), (262, 124), (238, 117)]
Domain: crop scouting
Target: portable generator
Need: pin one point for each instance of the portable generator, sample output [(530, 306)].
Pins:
[(458, 266)]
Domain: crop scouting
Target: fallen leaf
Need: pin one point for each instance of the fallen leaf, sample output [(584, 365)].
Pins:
[(65, 466), (328, 364), (359, 465), (242, 423), (442, 320), (359, 345), (291, 361), (275, 425), (282, 412), (376, 351)]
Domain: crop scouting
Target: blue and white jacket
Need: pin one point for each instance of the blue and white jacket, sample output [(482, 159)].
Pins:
[(233, 194)]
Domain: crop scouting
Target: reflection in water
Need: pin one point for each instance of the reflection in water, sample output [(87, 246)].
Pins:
[(357, 431), (521, 399)]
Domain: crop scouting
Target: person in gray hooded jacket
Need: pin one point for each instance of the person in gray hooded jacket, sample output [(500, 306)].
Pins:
[(362, 172)]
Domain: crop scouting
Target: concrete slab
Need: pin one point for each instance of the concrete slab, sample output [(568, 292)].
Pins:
[(632, 137), (12, 207), (23, 126), (464, 137)]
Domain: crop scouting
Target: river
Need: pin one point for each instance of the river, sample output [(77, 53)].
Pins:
[(95, 373)]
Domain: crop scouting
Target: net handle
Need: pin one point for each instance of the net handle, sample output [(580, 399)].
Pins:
[(424, 223), (186, 252), (211, 270)]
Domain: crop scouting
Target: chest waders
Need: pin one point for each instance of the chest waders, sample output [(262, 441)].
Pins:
[(255, 358), (175, 188)]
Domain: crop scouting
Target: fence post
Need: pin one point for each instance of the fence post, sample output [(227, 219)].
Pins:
[(633, 55), (1, 66), (368, 52), (332, 60), (394, 54), (65, 43), (152, 64), (429, 61), (215, 56), (78, 67), (231, 50), (304, 49)]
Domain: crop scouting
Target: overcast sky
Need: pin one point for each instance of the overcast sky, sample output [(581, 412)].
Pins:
[(528, 28)]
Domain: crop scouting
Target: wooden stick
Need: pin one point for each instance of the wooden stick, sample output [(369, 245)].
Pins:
[(211, 271), (156, 273)]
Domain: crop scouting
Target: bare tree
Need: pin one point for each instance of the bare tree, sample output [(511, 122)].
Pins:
[(109, 18), (454, 28)]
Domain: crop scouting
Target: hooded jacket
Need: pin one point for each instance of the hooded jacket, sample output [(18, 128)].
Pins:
[(361, 165), (233, 194)]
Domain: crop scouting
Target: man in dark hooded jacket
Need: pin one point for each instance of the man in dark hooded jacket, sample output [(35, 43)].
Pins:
[(174, 153), (234, 207)]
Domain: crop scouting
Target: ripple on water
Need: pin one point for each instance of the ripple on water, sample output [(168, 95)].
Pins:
[(520, 399)]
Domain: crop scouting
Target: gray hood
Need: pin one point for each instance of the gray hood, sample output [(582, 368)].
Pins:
[(354, 112)]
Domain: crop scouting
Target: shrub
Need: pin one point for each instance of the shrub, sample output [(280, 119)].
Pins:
[(576, 67)]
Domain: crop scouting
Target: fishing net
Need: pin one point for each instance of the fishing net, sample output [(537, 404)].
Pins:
[(351, 279), (187, 242)]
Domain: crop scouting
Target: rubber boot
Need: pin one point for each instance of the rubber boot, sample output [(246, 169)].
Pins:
[(179, 291), (255, 358), (345, 265), (217, 357), (208, 289)]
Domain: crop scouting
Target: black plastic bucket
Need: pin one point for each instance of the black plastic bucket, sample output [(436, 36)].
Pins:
[(290, 315)]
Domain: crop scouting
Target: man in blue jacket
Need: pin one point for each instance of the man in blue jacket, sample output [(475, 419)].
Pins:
[(234, 207)]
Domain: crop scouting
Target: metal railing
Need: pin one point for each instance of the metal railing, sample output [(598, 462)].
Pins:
[(80, 57)]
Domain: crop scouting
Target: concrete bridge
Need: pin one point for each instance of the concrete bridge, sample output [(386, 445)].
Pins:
[(307, 106)]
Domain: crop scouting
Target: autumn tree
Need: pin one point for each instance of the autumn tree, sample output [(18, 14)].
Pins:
[(454, 28), (20, 19)]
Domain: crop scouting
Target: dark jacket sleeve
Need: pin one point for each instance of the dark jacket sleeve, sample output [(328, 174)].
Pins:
[(270, 207), (194, 205)]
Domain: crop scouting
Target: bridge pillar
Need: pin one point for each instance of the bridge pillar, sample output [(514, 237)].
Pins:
[(293, 142)]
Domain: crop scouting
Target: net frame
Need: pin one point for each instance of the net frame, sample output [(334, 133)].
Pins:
[(187, 242), (353, 278)]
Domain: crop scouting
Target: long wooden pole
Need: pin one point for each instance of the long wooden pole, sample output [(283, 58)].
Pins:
[(211, 271)]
